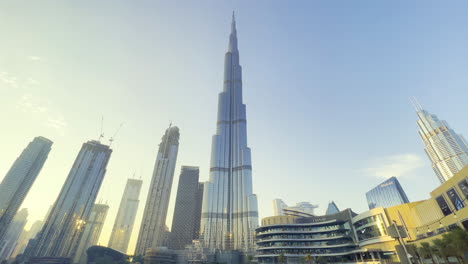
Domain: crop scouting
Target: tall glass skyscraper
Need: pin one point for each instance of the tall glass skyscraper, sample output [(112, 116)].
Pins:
[(19, 179), (229, 214), (123, 225), (64, 226), (187, 210), (387, 194), (91, 232), (447, 150), (152, 229)]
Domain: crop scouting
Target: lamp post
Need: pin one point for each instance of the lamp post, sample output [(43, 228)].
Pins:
[(402, 242)]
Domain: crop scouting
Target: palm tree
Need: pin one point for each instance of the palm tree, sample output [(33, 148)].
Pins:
[(413, 250), (425, 251), (138, 259), (459, 241), (308, 258), (442, 249)]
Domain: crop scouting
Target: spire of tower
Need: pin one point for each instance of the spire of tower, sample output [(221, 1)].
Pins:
[(233, 23), (233, 37)]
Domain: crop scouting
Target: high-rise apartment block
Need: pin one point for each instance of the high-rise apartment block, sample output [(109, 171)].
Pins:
[(64, 226), (152, 229), (123, 225), (187, 211), (19, 179), (230, 214)]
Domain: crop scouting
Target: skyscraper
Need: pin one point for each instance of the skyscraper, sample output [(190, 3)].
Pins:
[(447, 150), (301, 208), (19, 179), (387, 194), (26, 236), (8, 244), (64, 226), (125, 219), (332, 208), (230, 214), (152, 229), (91, 232), (187, 211)]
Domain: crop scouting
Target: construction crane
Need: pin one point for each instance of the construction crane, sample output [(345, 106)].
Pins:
[(115, 134), (101, 135)]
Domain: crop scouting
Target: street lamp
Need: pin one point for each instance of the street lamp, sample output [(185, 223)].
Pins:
[(402, 242)]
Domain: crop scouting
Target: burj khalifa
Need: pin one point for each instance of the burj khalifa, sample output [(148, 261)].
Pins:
[(229, 211)]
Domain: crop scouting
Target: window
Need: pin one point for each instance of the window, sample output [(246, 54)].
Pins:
[(443, 205), (463, 185), (455, 199), (465, 224)]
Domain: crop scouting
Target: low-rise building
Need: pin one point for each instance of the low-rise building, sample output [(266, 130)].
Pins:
[(330, 238)]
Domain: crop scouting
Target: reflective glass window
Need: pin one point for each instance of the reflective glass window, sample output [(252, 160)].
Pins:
[(455, 199), (463, 185), (443, 205)]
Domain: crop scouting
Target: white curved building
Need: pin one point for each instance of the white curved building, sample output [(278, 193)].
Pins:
[(229, 211)]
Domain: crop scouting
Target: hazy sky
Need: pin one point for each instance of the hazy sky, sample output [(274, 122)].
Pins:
[(326, 83)]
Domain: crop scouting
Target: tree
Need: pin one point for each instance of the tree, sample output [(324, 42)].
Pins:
[(138, 259), (425, 251), (413, 251), (322, 260), (441, 248), (308, 258), (459, 242), (281, 258)]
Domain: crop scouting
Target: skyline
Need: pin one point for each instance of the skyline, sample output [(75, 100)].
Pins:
[(395, 110)]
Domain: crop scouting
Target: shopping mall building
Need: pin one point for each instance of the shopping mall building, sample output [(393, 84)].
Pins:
[(369, 237)]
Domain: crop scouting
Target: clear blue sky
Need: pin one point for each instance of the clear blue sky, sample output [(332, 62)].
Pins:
[(326, 83)]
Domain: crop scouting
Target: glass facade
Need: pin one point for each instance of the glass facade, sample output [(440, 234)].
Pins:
[(19, 179), (370, 227), (187, 209), (229, 212), (64, 226), (331, 238), (447, 150), (153, 224), (332, 208), (125, 219), (455, 199), (463, 185), (91, 232), (387, 194), (444, 207)]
